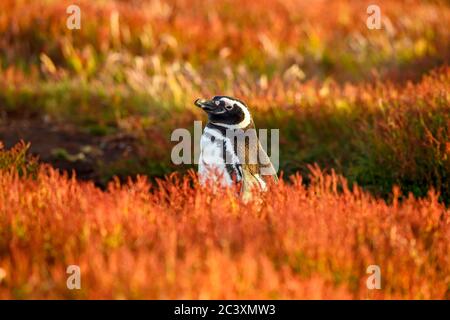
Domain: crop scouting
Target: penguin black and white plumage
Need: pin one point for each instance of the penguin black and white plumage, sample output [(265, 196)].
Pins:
[(230, 150)]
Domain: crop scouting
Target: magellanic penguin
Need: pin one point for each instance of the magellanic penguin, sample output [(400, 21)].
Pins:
[(230, 150)]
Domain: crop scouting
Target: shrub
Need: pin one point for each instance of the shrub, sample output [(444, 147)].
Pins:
[(177, 239), (18, 160)]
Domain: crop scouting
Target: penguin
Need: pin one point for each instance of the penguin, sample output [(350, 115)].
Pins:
[(230, 151)]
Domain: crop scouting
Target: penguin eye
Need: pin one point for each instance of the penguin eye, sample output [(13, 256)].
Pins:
[(229, 106)]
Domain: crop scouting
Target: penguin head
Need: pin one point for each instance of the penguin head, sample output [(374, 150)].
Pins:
[(226, 112)]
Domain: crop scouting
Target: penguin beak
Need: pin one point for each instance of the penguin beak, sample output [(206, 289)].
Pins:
[(207, 105)]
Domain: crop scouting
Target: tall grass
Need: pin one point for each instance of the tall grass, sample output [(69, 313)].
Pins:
[(376, 135), (336, 90), (324, 38), (177, 239), (372, 106)]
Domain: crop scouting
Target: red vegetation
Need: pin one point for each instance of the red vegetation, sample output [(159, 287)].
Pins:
[(177, 239)]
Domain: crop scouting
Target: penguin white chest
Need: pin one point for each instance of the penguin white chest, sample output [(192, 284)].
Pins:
[(212, 161)]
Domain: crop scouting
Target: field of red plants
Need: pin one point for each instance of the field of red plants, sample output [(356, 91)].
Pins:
[(179, 240), (364, 120)]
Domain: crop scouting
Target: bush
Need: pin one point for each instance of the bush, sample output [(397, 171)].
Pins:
[(176, 239), (18, 160)]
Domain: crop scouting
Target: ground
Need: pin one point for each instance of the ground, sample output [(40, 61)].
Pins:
[(67, 147)]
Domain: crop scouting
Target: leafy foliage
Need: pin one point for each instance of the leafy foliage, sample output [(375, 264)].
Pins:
[(178, 239), (18, 160), (337, 91), (371, 105)]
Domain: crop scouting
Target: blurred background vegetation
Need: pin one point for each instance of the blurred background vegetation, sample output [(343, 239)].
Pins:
[(103, 100)]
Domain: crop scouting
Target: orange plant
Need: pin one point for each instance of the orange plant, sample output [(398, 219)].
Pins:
[(177, 239)]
